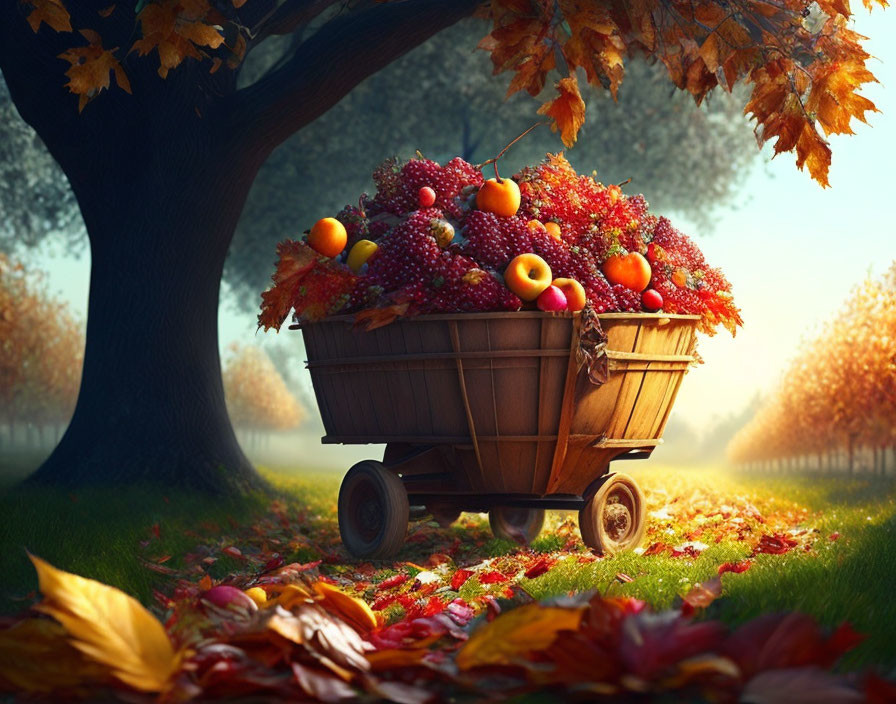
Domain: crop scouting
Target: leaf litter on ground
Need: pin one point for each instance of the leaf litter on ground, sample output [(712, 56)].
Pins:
[(277, 608)]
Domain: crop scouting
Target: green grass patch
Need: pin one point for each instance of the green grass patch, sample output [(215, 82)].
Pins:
[(98, 533)]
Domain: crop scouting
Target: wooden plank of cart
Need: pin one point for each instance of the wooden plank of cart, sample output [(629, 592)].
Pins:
[(509, 413)]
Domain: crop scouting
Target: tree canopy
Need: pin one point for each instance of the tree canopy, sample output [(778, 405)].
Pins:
[(685, 158)]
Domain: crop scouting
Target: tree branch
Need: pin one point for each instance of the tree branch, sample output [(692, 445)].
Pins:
[(334, 60), (288, 17)]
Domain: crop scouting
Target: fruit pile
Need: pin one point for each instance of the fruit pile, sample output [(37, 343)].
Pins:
[(442, 239)]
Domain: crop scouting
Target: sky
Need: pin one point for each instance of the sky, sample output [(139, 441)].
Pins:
[(791, 249)]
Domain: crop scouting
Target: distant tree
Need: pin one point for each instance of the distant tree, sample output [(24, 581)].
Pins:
[(41, 353), (837, 399), (36, 201), (257, 397)]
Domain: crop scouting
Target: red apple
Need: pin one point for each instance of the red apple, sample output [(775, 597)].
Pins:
[(426, 197), (552, 300), (652, 300), (223, 596)]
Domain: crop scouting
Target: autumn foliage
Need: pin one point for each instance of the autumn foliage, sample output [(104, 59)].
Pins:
[(41, 351), (838, 395), (257, 397), (804, 64)]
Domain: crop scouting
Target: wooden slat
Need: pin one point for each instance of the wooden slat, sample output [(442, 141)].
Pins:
[(567, 410), (455, 343)]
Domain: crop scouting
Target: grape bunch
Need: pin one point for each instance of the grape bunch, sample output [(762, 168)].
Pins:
[(429, 241)]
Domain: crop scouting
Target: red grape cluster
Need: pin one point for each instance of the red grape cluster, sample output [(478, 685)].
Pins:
[(419, 263)]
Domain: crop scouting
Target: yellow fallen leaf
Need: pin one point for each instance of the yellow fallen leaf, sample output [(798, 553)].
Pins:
[(515, 633), (258, 595), (353, 611), (109, 627), (35, 656)]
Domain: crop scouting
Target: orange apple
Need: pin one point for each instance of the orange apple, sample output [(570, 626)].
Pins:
[(499, 197), (574, 292), (631, 270), (553, 229), (328, 237), (527, 276)]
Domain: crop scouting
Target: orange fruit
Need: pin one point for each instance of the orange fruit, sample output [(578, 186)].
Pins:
[(553, 229), (574, 292), (527, 276), (328, 237), (631, 270), (499, 197)]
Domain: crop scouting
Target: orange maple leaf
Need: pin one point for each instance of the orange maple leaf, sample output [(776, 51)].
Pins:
[(176, 28), (567, 110), (295, 260), (51, 12), (833, 98), (374, 318), (90, 67)]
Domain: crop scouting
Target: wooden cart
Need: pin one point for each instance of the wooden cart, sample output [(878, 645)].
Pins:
[(497, 412)]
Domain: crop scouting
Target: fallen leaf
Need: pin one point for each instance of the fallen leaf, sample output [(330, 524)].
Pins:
[(516, 633), (109, 627), (352, 610), (804, 685)]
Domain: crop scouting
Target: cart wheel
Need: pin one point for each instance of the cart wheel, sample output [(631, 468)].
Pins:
[(613, 519), (521, 525), (373, 511), (443, 514)]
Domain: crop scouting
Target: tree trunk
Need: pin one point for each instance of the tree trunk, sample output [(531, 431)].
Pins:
[(151, 403)]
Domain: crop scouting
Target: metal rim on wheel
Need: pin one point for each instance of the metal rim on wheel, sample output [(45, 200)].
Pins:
[(373, 511), (613, 519), (519, 525)]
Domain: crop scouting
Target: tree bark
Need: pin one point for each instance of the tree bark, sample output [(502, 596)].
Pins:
[(161, 177), (151, 404)]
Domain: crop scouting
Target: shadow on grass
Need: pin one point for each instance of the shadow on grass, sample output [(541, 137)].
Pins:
[(97, 533)]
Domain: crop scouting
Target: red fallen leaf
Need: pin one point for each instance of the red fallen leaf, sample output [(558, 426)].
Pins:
[(156, 531), (878, 690), (437, 559), (162, 559), (492, 577), (798, 685), (233, 552), (459, 578), (737, 567), (776, 544), (841, 641), (391, 582), (701, 595), (833, 536), (205, 583), (775, 641), (657, 549), (540, 567), (433, 606), (273, 563), (384, 602)]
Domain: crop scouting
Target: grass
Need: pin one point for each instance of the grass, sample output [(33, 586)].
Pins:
[(97, 533)]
